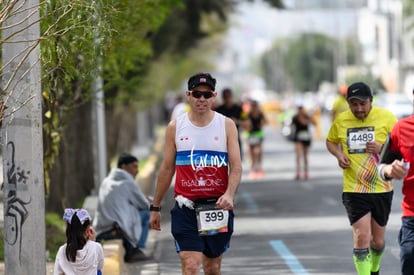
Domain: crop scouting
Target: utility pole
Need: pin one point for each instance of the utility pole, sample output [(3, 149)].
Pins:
[(22, 144), (98, 124), (98, 116)]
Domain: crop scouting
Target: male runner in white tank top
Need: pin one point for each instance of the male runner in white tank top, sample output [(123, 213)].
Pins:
[(202, 149)]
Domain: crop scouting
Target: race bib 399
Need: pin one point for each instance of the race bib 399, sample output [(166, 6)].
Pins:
[(211, 219)]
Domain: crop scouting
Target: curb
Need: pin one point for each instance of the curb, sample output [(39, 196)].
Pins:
[(113, 254)]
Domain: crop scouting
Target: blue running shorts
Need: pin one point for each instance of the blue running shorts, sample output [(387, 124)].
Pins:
[(185, 233)]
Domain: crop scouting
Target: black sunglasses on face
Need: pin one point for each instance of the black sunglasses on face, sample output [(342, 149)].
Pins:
[(199, 94)]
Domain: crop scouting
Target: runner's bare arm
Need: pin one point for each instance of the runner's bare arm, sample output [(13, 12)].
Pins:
[(227, 200), (165, 174), (335, 150)]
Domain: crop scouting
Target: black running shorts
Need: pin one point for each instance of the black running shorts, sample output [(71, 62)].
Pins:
[(358, 205)]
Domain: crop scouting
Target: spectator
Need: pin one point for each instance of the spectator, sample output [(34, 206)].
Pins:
[(123, 209), (80, 254), (340, 103)]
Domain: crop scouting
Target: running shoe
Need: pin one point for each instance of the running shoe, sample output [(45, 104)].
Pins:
[(260, 174), (252, 175)]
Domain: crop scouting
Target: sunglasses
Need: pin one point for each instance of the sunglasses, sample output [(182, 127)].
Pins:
[(199, 94)]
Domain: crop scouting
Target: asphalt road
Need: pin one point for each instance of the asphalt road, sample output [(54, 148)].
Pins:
[(283, 226)]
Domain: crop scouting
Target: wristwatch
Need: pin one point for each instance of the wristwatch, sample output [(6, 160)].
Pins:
[(155, 208)]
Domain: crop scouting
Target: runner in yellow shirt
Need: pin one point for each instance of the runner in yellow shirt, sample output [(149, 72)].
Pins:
[(340, 103), (355, 139)]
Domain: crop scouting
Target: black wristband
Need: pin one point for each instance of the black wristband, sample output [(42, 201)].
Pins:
[(155, 208)]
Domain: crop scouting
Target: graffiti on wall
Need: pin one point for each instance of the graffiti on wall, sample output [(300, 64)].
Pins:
[(16, 212)]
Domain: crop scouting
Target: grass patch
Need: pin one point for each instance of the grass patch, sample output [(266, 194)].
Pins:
[(55, 234)]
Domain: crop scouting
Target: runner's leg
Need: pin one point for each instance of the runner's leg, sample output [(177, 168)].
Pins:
[(190, 262), (362, 238), (298, 157), (212, 266), (377, 244)]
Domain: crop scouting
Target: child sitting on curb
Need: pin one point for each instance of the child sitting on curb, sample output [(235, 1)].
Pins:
[(81, 254)]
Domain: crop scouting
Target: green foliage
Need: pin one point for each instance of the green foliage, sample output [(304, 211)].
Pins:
[(408, 8), (184, 28), (408, 11), (353, 51), (74, 33), (152, 51), (184, 44), (304, 62), (77, 35), (155, 49), (272, 67), (127, 59), (310, 60), (70, 48)]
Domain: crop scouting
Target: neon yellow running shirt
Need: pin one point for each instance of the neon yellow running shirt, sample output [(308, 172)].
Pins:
[(352, 133)]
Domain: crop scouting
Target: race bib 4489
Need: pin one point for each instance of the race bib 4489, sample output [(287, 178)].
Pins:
[(357, 139)]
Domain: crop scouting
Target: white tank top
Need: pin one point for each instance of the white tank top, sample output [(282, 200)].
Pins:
[(201, 160)]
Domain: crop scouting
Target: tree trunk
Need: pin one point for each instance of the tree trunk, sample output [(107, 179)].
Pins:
[(72, 177)]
